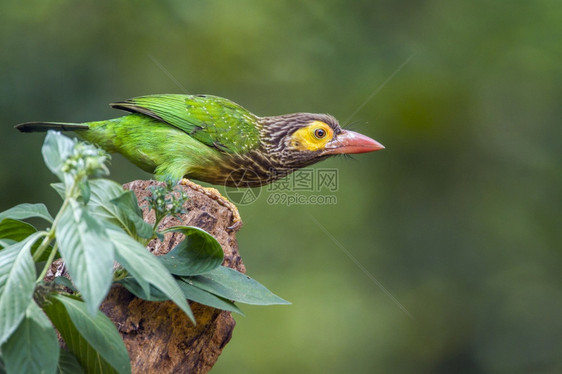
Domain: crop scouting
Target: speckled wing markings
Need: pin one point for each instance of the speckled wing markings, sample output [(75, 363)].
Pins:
[(212, 120)]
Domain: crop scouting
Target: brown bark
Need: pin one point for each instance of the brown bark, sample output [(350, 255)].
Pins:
[(159, 337)]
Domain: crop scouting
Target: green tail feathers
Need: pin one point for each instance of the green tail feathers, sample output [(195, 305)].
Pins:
[(46, 126)]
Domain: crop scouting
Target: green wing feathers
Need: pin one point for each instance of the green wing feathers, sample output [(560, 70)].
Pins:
[(171, 135), (214, 121)]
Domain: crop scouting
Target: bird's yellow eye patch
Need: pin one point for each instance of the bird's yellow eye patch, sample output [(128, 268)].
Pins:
[(312, 137)]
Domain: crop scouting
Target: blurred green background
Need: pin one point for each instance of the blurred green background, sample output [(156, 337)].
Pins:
[(459, 218)]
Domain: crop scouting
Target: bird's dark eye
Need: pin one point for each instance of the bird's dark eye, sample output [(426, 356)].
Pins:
[(319, 133)]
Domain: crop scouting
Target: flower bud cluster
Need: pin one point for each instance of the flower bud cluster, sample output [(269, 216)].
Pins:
[(167, 201), (86, 161)]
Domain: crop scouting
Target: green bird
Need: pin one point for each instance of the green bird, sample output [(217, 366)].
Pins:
[(214, 140)]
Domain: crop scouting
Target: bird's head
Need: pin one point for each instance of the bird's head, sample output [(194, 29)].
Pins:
[(301, 139)]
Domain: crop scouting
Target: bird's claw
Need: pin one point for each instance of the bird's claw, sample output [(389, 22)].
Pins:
[(236, 225), (214, 194)]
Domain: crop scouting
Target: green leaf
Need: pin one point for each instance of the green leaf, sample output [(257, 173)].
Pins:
[(33, 347), (85, 190), (146, 268), (60, 189), (6, 243), (103, 192), (23, 211), (12, 231), (129, 201), (15, 230), (94, 340), (233, 285), (190, 292), (87, 252), (203, 297), (62, 281), (129, 205), (17, 282), (68, 363), (198, 253), (150, 293), (56, 149)]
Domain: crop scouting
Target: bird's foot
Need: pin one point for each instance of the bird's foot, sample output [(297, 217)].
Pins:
[(214, 194)]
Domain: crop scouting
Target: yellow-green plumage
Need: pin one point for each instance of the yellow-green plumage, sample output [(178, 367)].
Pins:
[(160, 149), (214, 140)]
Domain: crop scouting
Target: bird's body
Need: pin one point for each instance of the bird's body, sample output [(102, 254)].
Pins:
[(214, 140)]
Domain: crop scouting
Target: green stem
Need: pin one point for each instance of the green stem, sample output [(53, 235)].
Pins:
[(49, 262), (119, 274), (51, 235), (158, 220), (44, 245), (154, 228), (57, 218)]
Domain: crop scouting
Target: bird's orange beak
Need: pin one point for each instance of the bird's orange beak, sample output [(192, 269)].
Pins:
[(348, 142)]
